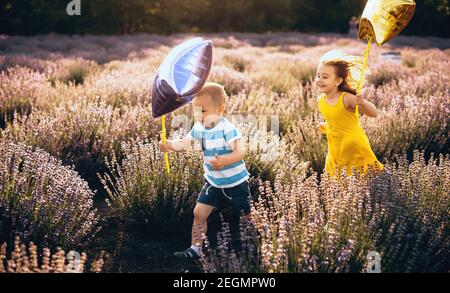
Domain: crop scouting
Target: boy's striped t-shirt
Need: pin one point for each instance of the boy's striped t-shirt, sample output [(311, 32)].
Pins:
[(216, 141)]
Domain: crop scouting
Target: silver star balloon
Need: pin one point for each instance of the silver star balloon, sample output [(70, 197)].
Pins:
[(181, 75)]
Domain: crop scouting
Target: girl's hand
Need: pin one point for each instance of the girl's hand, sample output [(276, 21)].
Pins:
[(360, 101), (365, 106), (163, 147), (322, 127), (218, 162)]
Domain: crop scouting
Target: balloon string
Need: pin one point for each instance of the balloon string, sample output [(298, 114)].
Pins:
[(366, 56), (164, 141)]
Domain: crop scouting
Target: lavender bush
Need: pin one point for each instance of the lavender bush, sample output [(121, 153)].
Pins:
[(140, 188), (18, 90), (82, 133), (224, 258), (43, 200), (331, 225), (25, 259)]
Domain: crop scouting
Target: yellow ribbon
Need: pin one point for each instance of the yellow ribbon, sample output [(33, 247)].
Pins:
[(164, 141), (366, 56)]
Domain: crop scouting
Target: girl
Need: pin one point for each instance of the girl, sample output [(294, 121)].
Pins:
[(348, 145)]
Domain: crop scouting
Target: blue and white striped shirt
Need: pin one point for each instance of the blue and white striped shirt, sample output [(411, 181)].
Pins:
[(216, 141)]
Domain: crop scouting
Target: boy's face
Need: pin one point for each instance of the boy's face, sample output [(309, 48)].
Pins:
[(326, 78), (205, 110)]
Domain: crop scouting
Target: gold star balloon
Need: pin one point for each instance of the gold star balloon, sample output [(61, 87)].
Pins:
[(381, 21), (384, 19)]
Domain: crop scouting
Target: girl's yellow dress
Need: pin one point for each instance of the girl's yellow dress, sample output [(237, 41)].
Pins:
[(348, 145)]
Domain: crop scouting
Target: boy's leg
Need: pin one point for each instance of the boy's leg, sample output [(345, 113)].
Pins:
[(200, 225), (206, 203)]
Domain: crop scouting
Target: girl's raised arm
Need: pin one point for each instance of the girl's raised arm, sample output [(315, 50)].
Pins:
[(364, 106)]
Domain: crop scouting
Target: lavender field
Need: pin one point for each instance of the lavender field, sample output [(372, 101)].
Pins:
[(80, 169)]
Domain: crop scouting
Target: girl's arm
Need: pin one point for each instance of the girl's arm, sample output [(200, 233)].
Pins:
[(322, 126), (364, 106)]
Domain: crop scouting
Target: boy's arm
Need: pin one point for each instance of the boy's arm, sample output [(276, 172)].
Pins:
[(238, 154), (176, 145), (179, 145)]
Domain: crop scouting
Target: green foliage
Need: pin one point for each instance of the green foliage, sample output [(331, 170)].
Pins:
[(30, 17)]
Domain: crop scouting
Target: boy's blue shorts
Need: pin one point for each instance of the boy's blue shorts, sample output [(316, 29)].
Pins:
[(238, 196)]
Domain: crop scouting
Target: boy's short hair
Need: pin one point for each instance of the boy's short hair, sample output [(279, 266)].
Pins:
[(215, 91)]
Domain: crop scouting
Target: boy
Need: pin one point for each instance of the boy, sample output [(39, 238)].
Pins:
[(225, 172)]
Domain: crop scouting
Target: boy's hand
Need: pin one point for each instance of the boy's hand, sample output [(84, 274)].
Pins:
[(218, 162), (163, 147)]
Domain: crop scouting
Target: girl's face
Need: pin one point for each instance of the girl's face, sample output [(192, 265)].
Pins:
[(326, 79)]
